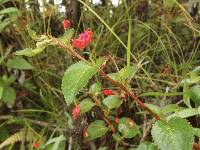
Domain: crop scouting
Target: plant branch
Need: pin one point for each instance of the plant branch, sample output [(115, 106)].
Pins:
[(104, 75)]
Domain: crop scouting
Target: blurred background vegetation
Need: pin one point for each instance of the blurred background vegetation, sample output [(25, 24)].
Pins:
[(163, 35)]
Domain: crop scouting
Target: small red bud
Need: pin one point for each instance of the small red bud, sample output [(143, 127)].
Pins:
[(36, 145), (116, 120), (76, 112), (108, 92), (66, 24)]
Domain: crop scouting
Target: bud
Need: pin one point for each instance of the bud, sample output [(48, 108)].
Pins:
[(66, 24), (108, 92), (85, 133), (116, 120), (36, 145), (76, 112)]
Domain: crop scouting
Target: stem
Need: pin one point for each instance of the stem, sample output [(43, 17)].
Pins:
[(104, 75)]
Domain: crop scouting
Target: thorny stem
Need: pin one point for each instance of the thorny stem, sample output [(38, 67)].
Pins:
[(104, 75)]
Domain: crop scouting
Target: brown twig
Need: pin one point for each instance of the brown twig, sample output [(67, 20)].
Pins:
[(104, 75)]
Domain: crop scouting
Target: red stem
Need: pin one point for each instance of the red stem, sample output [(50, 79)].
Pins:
[(103, 74)]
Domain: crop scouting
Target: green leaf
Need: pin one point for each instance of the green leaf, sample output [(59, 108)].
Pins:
[(1, 91), (195, 94), (197, 132), (56, 142), (86, 105), (188, 112), (124, 74), (147, 146), (96, 129), (117, 137), (31, 33), (177, 134), (66, 37), (95, 88), (127, 128), (9, 10), (9, 96), (156, 109), (169, 3), (30, 52), (18, 63), (112, 102), (186, 94), (75, 78), (170, 108)]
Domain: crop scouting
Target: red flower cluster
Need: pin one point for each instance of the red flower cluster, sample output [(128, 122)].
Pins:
[(36, 145), (108, 92), (76, 112), (66, 24), (83, 40)]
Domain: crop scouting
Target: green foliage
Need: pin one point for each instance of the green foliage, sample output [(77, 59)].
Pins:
[(112, 102), (185, 113), (86, 105), (8, 96), (55, 143), (66, 37), (195, 94), (8, 16), (31, 33), (42, 43), (169, 3), (128, 128), (75, 78), (124, 74), (95, 88), (96, 129), (177, 134), (19, 63), (147, 146)]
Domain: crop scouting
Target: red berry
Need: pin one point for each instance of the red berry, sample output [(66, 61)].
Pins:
[(76, 112), (83, 40), (108, 92), (36, 145), (66, 24)]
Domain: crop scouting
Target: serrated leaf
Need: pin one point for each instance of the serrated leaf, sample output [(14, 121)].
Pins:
[(96, 129), (75, 78), (188, 112), (18, 63), (147, 146), (124, 74), (177, 134), (170, 108), (9, 96), (30, 52), (127, 128), (31, 33), (195, 94), (95, 88), (112, 102), (86, 105)]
